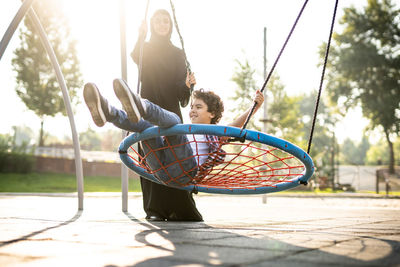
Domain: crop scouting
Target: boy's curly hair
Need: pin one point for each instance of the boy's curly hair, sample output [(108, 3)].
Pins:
[(214, 103)]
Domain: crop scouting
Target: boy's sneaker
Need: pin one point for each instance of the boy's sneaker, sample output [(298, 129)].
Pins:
[(130, 101), (97, 104)]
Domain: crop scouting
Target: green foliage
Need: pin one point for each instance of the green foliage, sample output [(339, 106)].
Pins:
[(354, 154), (37, 85), (14, 158), (8, 144), (364, 66), (290, 117), (90, 140), (284, 113), (23, 135), (111, 140), (243, 95), (377, 154), (5, 143), (16, 163), (292, 120), (397, 150)]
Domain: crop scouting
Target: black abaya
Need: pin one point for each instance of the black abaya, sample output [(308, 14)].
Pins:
[(163, 83)]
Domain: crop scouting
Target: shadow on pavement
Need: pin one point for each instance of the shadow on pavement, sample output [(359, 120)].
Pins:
[(26, 237), (201, 244)]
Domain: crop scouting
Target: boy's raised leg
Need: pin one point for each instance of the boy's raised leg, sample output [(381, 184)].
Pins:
[(130, 101), (97, 104)]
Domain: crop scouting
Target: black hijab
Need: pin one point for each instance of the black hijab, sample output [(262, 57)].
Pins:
[(163, 68)]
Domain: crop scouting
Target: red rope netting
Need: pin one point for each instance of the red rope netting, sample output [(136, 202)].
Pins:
[(239, 165)]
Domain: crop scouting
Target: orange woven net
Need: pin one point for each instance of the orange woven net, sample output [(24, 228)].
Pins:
[(239, 165)]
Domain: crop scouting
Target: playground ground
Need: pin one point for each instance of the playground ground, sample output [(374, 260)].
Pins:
[(287, 230)]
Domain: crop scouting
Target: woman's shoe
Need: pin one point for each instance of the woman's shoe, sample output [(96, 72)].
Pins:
[(154, 218)]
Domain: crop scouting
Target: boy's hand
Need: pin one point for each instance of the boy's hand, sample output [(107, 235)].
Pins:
[(223, 139), (259, 98), (190, 79)]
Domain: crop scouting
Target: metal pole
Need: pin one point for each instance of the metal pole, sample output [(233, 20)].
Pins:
[(124, 74), (139, 84), (264, 196), (334, 187), (265, 76), (14, 25), (67, 103)]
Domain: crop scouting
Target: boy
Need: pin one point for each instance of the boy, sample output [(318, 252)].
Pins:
[(195, 158)]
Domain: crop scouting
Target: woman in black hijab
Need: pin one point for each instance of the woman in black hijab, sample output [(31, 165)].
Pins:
[(165, 83)]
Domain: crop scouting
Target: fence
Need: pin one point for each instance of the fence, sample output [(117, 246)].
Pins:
[(90, 168)]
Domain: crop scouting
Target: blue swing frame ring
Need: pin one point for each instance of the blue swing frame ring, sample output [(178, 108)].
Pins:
[(220, 130)]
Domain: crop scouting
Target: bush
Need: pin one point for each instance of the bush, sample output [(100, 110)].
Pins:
[(14, 158), (16, 162)]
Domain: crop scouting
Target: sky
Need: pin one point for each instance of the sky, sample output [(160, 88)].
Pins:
[(215, 33)]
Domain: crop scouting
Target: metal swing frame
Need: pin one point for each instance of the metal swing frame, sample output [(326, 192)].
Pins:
[(27, 9)]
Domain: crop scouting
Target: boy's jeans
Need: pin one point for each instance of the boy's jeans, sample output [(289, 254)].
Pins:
[(174, 166)]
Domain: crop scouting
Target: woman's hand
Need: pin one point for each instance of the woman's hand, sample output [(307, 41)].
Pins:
[(190, 79)]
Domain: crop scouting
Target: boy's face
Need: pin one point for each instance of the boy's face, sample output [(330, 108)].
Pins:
[(199, 112)]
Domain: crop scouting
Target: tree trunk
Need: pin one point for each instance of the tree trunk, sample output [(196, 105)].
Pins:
[(41, 141), (391, 152)]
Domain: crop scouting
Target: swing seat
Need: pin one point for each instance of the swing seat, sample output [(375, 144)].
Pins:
[(261, 164)]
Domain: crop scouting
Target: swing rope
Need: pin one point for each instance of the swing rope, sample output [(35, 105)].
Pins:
[(276, 62), (180, 36), (322, 75), (322, 78), (138, 89), (188, 67)]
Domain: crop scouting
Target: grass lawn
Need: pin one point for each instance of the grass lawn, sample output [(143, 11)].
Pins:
[(61, 183), (66, 183)]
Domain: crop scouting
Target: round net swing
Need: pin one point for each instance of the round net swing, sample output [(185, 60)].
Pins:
[(260, 164)]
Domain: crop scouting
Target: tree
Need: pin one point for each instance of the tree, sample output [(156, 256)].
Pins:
[(354, 154), (376, 154), (22, 134), (37, 85), (90, 140), (243, 95), (364, 67), (284, 113), (111, 140), (290, 117)]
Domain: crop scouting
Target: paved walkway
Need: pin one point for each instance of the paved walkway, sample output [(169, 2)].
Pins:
[(351, 230)]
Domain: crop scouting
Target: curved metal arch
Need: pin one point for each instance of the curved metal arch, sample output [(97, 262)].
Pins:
[(26, 6), (14, 25), (220, 130)]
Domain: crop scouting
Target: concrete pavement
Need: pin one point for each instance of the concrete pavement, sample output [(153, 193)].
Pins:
[(349, 230)]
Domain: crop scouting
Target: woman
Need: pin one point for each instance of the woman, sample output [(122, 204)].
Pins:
[(164, 82)]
